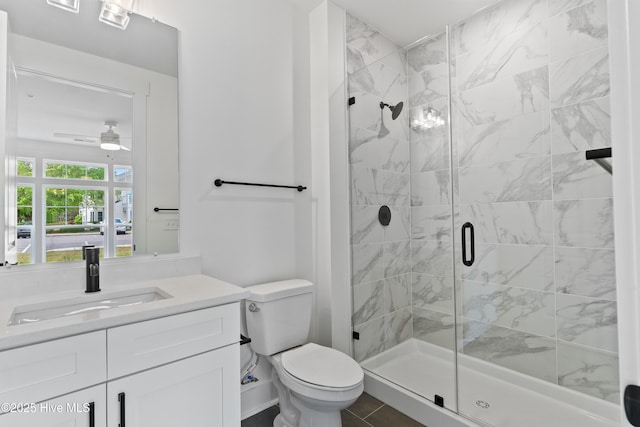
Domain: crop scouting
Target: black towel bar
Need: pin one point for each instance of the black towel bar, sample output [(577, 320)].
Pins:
[(219, 182)]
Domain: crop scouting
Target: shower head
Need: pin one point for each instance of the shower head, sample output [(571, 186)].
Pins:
[(395, 110)]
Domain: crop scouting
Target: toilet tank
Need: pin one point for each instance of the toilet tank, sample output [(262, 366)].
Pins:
[(278, 315)]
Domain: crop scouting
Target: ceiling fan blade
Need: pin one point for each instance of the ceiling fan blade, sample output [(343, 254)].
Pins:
[(76, 137)]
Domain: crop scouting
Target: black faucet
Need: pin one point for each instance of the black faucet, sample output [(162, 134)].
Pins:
[(92, 256)]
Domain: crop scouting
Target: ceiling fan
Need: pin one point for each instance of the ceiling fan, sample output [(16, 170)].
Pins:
[(108, 140)]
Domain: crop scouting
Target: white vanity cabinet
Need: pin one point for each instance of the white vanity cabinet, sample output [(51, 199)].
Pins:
[(84, 408), (199, 391), (184, 372), (179, 370)]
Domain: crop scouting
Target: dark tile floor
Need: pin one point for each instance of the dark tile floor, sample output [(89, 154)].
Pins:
[(366, 412)]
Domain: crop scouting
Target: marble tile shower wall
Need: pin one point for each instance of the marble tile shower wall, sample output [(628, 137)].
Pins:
[(431, 198), (380, 175), (531, 84)]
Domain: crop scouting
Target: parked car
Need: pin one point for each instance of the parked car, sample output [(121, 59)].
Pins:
[(121, 227), (24, 230)]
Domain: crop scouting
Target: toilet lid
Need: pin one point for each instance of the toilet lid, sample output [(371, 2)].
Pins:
[(322, 366)]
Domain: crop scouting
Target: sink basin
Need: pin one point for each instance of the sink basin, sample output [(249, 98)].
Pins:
[(86, 304)]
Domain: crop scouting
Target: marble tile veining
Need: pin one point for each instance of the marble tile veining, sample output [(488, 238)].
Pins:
[(559, 6), (496, 22), (517, 180), (575, 177), (398, 327), (397, 293), (578, 30), (521, 266), (428, 53), (364, 186), (588, 371), (580, 78), (580, 127), (586, 272), (432, 292), (394, 188), (365, 227), (519, 351), (429, 85), (522, 93), (368, 263), (431, 153), (397, 258), (520, 309), (518, 222), (399, 226), (434, 327), (510, 139), (365, 45), (372, 339), (431, 188), (431, 222), (584, 223), (432, 257), (587, 321), (428, 71), (385, 78), (516, 53), (368, 302)]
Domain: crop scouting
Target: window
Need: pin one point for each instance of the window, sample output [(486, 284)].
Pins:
[(73, 171), (72, 220), (24, 229), (79, 205), (25, 167)]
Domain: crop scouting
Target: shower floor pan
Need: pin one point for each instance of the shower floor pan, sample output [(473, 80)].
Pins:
[(408, 376)]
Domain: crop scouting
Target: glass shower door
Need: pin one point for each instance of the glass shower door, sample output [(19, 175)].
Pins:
[(402, 270), (534, 258)]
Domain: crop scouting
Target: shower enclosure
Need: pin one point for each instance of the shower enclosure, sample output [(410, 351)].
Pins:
[(482, 238)]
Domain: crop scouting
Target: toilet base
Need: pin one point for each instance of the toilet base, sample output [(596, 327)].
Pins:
[(313, 418), (295, 413)]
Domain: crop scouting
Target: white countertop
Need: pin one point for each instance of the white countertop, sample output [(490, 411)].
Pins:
[(188, 293)]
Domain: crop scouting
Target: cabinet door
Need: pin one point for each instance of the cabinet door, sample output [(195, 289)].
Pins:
[(200, 391), (86, 408)]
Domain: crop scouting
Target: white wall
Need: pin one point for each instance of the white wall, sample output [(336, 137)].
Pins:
[(236, 123), (243, 117)]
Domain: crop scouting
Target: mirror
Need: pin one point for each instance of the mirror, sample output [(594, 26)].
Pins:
[(91, 135)]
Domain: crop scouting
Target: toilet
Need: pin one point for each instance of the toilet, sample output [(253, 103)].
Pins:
[(314, 382)]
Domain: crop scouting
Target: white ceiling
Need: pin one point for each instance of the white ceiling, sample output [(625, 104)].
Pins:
[(406, 21), (145, 43), (46, 106)]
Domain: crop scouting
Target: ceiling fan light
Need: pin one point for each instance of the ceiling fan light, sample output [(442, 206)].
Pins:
[(111, 146), (109, 140)]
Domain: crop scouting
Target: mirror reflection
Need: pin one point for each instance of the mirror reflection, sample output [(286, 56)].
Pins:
[(91, 136)]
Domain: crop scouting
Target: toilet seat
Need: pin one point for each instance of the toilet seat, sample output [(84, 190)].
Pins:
[(322, 368)]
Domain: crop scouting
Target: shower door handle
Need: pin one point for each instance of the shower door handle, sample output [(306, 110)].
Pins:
[(467, 229)]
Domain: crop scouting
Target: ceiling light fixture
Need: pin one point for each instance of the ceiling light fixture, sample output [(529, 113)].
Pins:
[(116, 12), (68, 5)]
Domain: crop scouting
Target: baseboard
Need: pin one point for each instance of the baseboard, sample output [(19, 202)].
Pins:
[(257, 398)]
